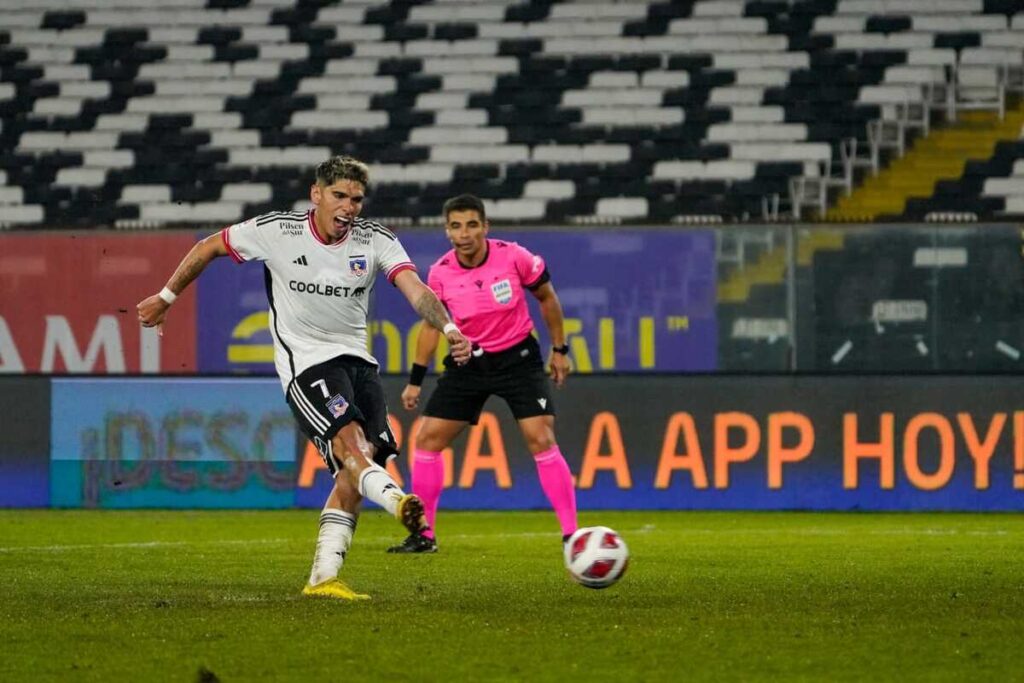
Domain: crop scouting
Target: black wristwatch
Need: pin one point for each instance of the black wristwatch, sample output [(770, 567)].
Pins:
[(563, 349)]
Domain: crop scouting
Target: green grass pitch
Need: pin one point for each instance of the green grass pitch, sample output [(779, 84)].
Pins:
[(186, 596)]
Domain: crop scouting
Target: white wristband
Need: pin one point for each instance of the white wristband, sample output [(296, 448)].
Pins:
[(449, 328), (168, 296)]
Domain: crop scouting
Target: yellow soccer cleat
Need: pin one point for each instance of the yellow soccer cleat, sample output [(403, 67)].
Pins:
[(410, 514), (333, 588)]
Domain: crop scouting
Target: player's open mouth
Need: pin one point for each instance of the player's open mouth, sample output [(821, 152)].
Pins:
[(342, 222)]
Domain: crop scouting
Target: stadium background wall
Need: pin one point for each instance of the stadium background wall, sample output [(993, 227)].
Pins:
[(67, 304), (652, 442)]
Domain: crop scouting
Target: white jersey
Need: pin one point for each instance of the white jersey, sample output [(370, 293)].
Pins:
[(318, 292)]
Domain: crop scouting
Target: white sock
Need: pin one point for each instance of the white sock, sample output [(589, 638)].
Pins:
[(376, 484), (336, 529)]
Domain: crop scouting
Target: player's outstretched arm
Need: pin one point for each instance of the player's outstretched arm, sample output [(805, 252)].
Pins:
[(430, 308), (551, 311), (153, 309), (426, 344)]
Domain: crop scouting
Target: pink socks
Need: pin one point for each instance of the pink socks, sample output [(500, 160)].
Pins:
[(556, 480), (427, 481)]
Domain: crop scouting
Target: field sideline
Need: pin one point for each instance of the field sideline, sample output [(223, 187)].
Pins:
[(185, 596)]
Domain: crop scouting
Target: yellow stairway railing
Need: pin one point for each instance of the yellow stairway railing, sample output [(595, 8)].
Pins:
[(941, 155)]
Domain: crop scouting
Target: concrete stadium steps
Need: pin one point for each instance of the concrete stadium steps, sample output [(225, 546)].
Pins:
[(941, 155), (770, 268)]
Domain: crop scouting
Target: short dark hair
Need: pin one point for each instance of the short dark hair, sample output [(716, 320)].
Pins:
[(343, 168), (465, 202)]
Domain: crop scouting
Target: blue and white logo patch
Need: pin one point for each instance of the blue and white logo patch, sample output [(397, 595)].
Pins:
[(502, 291), (337, 405), (357, 265)]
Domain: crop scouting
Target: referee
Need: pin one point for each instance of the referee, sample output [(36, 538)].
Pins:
[(483, 284)]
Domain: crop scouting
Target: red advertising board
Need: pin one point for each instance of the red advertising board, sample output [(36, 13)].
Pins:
[(67, 304)]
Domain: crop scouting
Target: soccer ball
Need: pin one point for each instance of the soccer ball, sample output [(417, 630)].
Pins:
[(596, 556)]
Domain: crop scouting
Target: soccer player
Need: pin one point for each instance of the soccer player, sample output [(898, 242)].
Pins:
[(483, 284), (319, 268)]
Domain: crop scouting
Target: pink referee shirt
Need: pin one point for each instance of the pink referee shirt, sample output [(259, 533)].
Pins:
[(488, 302)]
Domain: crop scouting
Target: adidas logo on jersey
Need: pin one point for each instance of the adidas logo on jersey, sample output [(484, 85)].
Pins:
[(301, 261), (543, 402)]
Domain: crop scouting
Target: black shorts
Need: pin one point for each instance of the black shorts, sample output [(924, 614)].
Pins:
[(516, 375), (328, 396)]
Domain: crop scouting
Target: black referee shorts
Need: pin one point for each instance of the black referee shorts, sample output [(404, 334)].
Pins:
[(516, 375), (328, 396)]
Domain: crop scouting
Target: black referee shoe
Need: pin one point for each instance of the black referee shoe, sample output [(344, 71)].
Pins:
[(415, 543)]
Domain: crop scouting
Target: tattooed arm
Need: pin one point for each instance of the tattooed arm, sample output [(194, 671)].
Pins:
[(152, 310), (430, 308)]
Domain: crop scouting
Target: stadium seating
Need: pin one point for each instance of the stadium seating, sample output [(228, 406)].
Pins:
[(1010, 186), (153, 112)]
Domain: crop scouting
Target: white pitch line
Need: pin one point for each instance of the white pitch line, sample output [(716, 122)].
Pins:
[(646, 529), (142, 545), (261, 541)]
